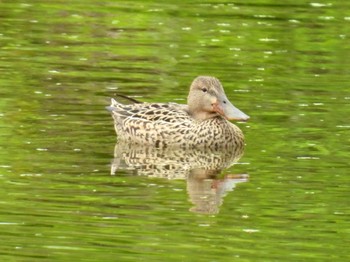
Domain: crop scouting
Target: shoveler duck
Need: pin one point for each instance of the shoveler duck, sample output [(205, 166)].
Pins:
[(202, 123)]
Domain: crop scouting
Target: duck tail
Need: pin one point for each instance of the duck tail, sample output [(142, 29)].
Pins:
[(133, 100), (113, 105)]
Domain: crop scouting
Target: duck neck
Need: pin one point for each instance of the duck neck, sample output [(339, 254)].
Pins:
[(203, 115)]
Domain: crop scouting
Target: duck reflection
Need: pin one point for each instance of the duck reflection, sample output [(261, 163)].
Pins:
[(200, 168)]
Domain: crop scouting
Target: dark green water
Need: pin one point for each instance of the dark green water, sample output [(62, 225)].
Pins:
[(286, 64)]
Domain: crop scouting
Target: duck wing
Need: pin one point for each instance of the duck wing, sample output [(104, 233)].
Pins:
[(153, 112), (156, 124)]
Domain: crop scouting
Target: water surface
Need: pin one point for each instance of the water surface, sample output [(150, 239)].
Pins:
[(285, 199)]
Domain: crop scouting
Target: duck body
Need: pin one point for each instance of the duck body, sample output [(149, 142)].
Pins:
[(202, 123)]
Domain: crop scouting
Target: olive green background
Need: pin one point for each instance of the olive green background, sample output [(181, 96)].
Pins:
[(284, 63)]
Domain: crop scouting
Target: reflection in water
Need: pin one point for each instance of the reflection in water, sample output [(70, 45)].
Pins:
[(201, 169)]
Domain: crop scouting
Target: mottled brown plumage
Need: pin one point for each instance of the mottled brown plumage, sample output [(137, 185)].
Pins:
[(199, 124)]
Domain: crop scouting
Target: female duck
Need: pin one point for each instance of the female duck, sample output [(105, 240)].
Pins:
[(202, 123)]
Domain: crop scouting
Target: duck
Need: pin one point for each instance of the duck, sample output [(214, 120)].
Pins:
[(203, 123)]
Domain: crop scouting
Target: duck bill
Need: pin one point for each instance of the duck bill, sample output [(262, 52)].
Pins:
[(229, 111)]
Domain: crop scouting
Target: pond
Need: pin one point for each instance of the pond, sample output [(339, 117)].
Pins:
[(69, 192)]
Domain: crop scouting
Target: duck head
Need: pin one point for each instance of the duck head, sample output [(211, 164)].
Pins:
[(207, 99)]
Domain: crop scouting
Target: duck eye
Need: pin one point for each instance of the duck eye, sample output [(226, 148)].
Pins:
[(204, 90), (224, 102)]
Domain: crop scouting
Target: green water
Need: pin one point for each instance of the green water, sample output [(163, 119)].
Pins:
[(67, 194)]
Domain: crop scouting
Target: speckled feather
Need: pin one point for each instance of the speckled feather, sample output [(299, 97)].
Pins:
[(172, 125)]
